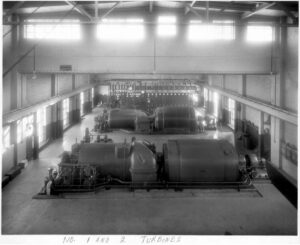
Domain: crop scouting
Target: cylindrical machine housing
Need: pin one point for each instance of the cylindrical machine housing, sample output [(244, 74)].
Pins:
[(201, 160), (175, 119), (135, 162), (124, 118), (109, 159), (143, 164)]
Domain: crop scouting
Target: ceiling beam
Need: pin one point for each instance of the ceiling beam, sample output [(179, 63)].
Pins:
[(260, 21), (150, 6), (110, 10), (222, 10), (193, 11), (27, 17), (187, 9), (287, 11), (232, 5), (227, 5), (13, 9), (259, 8), (80, 9)]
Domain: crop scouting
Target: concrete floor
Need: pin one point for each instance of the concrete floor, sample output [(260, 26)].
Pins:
[(197, 212)]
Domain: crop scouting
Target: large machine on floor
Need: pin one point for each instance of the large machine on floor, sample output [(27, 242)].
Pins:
[(183, 163), (166, 119), (175, 119)]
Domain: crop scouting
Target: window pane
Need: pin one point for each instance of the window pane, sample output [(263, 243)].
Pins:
[(65, 112), (219, 30), (216, 104), (19, 130), (57, 30), (41, 123), (166, 26), (81, 103), (121, 29), (231, 108), (259, 33), (6, 138)]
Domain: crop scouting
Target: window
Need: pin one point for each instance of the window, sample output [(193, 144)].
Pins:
[(27, 126), (205, 96), (24, 127), (93, 95), (218, 30), (19, 131), (224, 29), (66, 110), (121, 29), (166, 26), (52, 29), (6, 138), (259, 33), (41, 123), (216, 104), (231, 108), (81, 103)]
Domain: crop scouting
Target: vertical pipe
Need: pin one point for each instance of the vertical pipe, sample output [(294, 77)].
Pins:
[(96, 9), (154, 53), (34, 60), (35, 149), (207, 11)]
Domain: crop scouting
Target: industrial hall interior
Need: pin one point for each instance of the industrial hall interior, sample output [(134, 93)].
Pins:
[(150, 117)]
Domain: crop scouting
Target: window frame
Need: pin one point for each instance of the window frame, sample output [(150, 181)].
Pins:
[(166, 26), (66, 110), (261, 32), (126, 29), (52, 29), (213, 31), (6, 141), (41, 123)]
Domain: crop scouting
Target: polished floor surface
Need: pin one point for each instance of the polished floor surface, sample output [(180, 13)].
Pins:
[(202, 212)]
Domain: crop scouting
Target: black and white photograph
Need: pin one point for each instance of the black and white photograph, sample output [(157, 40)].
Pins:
[(149, 122)]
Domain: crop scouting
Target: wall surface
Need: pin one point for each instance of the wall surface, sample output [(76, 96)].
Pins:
[(10, 54), (290, 136), (64, 83), (81, 80), (289, 131), (266, 88), (260, 87), (37, 90), (172, 56), (6, 94), (150, 54), (291, 71), (7, 160), (233, 82)]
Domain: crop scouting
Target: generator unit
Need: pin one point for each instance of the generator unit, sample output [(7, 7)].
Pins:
[(184, 163)]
